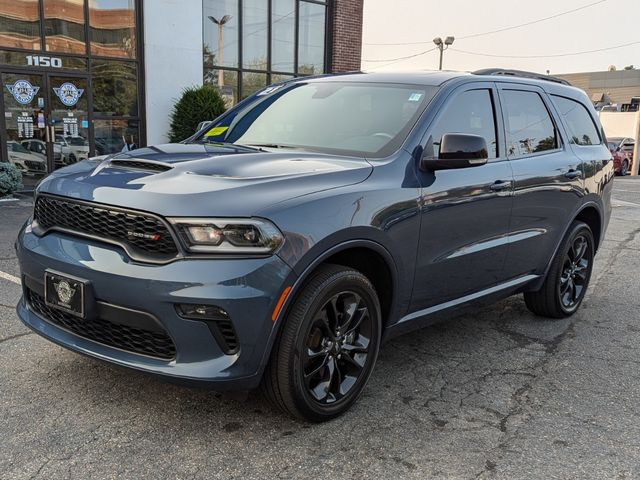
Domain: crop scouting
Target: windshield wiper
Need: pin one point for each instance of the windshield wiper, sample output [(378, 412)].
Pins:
[(271, 145)]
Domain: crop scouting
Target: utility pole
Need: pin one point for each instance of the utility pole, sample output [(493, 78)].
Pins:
[(219, 24), (442, 46)]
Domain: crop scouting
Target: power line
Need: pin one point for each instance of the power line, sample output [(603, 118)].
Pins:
[(402, 59), (547, 56), (504, 29)]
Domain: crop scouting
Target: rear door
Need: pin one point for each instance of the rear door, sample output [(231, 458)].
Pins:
[(549, 177), (464, 212)]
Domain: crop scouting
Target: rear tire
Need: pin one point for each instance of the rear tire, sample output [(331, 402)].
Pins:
[(327, 347), (568, 278), (624, 169)]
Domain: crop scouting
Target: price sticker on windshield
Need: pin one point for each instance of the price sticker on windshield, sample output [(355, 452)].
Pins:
[(415, 97), (214, 132)]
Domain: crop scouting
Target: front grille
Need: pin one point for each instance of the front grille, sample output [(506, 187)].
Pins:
[(139, 165), (145, 342), (33, 165), (134, 230)]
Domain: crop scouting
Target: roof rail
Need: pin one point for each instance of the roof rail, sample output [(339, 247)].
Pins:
[(520, 73)]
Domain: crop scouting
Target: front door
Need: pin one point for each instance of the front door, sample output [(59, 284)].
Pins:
[(46, 124), (465, 212)]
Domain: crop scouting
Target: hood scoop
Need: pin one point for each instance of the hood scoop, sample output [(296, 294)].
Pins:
[(141, 165)]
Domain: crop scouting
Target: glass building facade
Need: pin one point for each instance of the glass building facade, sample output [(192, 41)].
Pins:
[(81, 78), (70, 81), (248, 44)]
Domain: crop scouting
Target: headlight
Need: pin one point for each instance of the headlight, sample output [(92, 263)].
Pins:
[(225, 235)]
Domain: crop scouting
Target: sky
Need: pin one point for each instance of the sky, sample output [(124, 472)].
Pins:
[(593, 25)]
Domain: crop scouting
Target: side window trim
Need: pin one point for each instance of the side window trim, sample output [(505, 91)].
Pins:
[(557, 125), (498, 123)]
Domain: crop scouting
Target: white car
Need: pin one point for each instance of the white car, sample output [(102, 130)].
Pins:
[(27, 162), (38, 147), (73, 149)]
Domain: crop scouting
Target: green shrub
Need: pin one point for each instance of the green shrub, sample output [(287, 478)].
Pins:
[(197, 104), (10, 179)]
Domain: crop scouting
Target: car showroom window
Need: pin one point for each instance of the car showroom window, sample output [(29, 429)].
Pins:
[(470, 112), (528, 123), (582, 130)]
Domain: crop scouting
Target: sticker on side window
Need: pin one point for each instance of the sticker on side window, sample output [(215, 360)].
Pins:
[(415, 97)]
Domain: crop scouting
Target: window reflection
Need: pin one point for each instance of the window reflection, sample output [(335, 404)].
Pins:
[(20, 24), (113, 136), (283, 35), (252, 82), (220, 30), (115, 90), (254, 34), (112, 28), (227, 83), (311, 38), (64, 26)]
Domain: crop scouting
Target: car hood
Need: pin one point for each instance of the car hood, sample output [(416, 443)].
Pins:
[(203, 180)]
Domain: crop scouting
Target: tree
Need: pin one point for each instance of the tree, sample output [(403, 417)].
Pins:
[(197, 104), (10, 179)]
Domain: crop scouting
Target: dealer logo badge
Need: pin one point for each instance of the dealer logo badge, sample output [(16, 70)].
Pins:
[(69, 94), (23, 91), (65, 291)]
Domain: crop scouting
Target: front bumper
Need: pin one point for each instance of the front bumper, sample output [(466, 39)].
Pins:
[(247, 289)]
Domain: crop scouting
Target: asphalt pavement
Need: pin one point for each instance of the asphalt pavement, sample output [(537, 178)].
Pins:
[(494, 394)]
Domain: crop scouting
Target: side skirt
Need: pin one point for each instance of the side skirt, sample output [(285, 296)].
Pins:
[(428, 316)]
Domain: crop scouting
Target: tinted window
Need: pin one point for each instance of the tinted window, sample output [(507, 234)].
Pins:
[(113, 28), (528, 124), (470, 112), (582, 130), (64, 26)]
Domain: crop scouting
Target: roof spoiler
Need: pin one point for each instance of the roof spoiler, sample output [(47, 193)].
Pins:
[(520, 73)]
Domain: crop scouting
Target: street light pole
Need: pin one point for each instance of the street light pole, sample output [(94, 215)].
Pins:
[(219, 24), (442, 46)]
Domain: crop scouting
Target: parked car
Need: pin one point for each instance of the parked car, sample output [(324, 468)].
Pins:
[(315, 219), (27, 162), (621, 149), (38, 147), (73, 149)]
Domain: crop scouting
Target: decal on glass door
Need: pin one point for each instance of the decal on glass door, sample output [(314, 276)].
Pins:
[(68, 93), (23, 91)]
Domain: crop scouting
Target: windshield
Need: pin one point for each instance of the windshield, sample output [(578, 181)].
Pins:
[(77, 141), (16, 147), (355, 118)]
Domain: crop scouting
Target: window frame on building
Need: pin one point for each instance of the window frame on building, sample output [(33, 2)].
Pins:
[(272, 75), (80, 65)]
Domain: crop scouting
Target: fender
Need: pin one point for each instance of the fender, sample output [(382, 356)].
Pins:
[(536, 285), (299, 280)]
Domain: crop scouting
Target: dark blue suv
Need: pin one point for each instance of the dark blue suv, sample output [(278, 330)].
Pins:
[(279, 246)]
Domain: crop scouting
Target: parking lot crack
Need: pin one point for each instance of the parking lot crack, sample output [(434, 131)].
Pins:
[(13, 337)]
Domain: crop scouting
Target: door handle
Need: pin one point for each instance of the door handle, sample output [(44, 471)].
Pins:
[(571, 174), (500, 185)]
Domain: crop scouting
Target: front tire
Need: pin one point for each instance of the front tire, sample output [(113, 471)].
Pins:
[(327, 347), (568, 278), (624, 169)]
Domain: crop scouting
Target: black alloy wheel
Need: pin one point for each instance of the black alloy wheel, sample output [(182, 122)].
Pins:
[(568, 276), (624, 170), (337, 347), (575, 272), (327, 347)]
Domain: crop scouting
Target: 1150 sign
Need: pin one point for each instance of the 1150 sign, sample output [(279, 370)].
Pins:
[(43, 61)]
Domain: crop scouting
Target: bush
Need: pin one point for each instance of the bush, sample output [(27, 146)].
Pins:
[(197, 104), (10, 179)]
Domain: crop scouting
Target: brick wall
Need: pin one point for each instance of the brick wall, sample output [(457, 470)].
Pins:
[(346, 35)]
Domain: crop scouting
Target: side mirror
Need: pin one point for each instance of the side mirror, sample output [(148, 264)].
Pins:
[(458, 150)]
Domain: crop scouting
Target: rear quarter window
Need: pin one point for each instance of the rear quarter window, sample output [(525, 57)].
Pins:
[(581, 128)]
